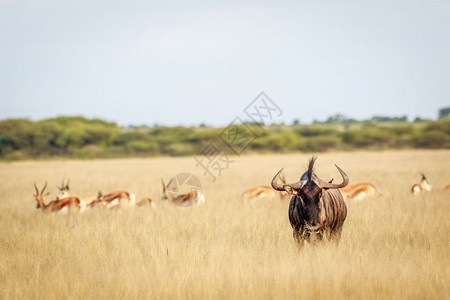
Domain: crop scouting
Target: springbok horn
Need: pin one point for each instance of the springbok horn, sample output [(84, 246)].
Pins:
[(62, 185), (328, 185), (168, 191), (37, 190), (42, 192)]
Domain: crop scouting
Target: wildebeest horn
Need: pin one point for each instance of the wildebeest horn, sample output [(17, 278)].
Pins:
[(295, 185), (275, 181), (329, 185)]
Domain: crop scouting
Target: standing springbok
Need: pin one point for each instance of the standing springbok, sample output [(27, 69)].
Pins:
[(317, 207), (64, 193), (264, 192), (184, 200), (66, 205), (424, 185), (359, 191)]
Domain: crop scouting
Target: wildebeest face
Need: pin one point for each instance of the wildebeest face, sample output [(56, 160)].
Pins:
[(309, 194)]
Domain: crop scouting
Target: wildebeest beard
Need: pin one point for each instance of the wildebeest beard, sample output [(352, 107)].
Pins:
[(310, 195)]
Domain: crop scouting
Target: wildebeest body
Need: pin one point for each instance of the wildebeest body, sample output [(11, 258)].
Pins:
[(317, 207)]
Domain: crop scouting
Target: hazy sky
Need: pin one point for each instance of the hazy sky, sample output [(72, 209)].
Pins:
[(186, 62)]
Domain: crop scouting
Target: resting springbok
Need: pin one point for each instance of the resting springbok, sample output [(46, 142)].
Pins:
[(424, 185), (359, 191), (66, 205), (317, 207), (184, 200), (98, 203), (118, 199), (264, 192), (64, 193), (146, 202)]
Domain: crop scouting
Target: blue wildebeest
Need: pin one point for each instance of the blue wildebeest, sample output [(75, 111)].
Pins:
[(317, 207)]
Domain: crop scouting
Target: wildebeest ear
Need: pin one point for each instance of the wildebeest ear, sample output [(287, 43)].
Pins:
[(290, 190), (331, 181)]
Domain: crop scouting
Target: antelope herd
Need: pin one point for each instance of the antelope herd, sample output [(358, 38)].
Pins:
[(317, 207), (64, 203)]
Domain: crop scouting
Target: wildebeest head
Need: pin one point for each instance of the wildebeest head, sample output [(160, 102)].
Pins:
[(309, 189)]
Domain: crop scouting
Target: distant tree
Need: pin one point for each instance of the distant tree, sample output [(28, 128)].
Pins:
[(337, 118), (383, 119), (444, 113), (420, 120), (296, 122)]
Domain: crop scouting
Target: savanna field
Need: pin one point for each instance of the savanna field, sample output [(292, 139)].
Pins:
[(395, 246)]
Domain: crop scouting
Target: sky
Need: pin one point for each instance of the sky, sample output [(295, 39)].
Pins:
[(192, 62)]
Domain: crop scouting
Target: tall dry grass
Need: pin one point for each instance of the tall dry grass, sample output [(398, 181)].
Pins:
[(392, 247)]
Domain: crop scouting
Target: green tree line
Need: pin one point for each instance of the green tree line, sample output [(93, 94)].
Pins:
[(79, 137)]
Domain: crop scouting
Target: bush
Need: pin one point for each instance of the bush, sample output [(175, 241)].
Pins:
[(432, 139), (320, 144), (90, 138), (142, 147)]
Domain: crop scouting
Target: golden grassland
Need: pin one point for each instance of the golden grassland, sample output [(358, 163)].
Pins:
[(393, 247)]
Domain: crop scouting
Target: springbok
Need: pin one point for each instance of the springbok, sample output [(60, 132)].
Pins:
[(359, 191), (146, 202), (64, 193), (424, 185), (118, 199), (447, 188), (98, 203), (317, 207), (66, 205), (184, 200), (264, 192)]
